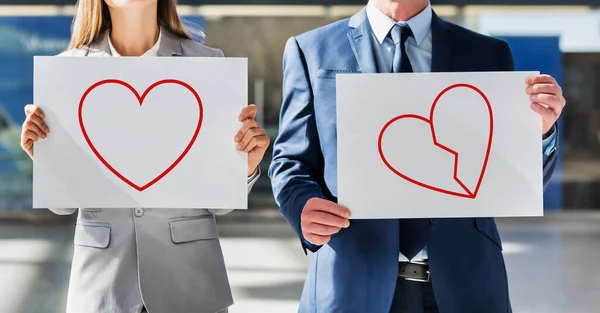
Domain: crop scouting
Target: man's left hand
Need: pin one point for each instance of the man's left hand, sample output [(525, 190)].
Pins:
[(546, 99)]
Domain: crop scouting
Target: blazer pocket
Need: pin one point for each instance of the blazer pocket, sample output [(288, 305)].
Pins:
[(188, 230), (92, 235), (330, 74), (488, 227)]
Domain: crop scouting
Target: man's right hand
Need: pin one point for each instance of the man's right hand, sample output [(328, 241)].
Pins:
[(321, 218)]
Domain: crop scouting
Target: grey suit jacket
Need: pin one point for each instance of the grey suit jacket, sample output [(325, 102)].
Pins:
[(168, 260)]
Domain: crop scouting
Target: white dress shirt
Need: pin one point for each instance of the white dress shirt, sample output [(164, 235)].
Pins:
[(152, 52), (419, 47)]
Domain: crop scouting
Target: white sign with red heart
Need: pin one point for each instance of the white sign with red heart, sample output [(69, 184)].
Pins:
[(140, 132), (438, 145)]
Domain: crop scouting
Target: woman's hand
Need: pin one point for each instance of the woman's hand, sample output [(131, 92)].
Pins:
[(33, 128), (251, 138)]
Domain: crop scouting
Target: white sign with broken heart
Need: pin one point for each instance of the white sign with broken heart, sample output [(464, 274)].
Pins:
[(438, 145), (140, 132)]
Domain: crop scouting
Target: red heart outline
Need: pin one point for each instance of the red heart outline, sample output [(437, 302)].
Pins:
[(468, 193), (141, 101)]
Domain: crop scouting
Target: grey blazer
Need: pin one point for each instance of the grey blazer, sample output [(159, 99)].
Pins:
[(168, 260)]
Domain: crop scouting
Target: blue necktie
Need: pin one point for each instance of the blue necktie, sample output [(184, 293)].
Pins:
[(400, 35), (413, 232)]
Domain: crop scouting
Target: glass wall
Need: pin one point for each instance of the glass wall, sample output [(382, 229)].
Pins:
[(581, 142)]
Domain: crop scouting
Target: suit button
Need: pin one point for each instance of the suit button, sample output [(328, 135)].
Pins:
[(432, 220), (138, 212)]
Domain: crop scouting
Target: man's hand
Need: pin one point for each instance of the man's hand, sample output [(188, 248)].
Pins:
[(546, 99), (321, 218)]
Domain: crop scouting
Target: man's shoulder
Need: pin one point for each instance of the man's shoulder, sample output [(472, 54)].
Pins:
[(324, 34), (470, 38)]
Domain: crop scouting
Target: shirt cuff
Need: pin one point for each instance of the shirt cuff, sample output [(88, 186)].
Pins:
[(549, 144), (309, 246), (254, 177)]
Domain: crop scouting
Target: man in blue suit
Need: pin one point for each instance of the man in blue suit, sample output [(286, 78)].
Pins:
[(381, 266)]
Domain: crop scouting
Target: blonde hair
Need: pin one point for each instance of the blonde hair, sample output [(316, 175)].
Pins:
[(92, 19)]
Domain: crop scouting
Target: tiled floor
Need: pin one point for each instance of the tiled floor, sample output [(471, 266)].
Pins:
[(553, 263)]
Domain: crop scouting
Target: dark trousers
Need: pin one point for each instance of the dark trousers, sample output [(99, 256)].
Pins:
[(413, 297)]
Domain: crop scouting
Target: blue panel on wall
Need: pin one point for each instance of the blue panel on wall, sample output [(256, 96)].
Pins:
[(21, 39), (542, 54)]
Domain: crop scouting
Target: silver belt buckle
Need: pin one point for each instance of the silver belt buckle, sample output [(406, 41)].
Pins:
[(428, 279)]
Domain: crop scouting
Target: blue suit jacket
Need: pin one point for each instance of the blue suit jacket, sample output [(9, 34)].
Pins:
[(356, 272)]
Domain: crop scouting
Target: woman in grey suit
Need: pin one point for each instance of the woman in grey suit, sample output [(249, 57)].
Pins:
[(145, 260)]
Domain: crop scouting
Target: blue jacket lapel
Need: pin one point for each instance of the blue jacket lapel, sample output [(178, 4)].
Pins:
[(360, 41), (442, 45)]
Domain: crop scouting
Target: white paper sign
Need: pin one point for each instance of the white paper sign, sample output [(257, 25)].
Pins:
[(438, 145), (140, 132)]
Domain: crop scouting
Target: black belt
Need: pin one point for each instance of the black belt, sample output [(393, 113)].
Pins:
[(414, 271)]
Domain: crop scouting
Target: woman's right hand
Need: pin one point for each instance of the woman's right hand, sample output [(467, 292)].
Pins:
[(33, 128)]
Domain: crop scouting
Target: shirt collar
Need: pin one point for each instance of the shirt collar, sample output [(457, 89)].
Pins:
[(381, 24), (151, 52)]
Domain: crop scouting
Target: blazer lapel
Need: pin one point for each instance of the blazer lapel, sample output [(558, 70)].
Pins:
[(359, 36), (442, 45), (170, 44)]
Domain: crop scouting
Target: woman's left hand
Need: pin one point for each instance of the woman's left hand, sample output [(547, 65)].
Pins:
[(251, 138)]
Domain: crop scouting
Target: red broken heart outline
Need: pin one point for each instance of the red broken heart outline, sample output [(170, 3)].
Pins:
[(468, 193), (141, 101)]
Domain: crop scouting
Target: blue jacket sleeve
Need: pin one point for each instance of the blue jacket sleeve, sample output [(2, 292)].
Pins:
[(297, 167), (550, 144)]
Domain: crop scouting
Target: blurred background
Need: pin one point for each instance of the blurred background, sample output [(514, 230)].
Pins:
[(553, 262)]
